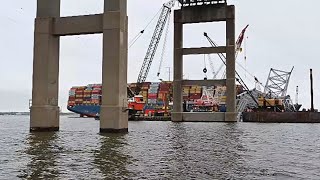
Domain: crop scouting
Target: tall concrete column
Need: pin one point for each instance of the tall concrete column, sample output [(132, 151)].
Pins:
[(44, 110), (231, 114), (113, 117), (178, 69)]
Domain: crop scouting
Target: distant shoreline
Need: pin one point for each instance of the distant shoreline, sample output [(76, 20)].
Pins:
[(28, 113)]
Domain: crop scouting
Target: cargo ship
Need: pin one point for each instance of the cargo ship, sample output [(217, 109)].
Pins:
[(86, 100), (155, 98)]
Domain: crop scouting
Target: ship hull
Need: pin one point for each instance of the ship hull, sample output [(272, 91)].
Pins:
[(86, 110), (91, 110)]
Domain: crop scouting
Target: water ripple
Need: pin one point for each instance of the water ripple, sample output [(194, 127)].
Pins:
[(159, 150)]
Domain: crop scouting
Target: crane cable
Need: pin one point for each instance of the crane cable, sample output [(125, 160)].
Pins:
[(164, 45), (205, 70), (134, 40), (239, 79), (243, 68), (211, 66)]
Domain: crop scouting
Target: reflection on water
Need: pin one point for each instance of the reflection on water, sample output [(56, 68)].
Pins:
[(110, 158), (160, 150), (205, 153), (42, 150)]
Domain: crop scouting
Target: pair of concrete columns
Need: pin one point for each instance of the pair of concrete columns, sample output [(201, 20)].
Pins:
[(49, 26), (204, 14)]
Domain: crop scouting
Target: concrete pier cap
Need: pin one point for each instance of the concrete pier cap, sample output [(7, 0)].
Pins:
[(204, 11), (49, 26)]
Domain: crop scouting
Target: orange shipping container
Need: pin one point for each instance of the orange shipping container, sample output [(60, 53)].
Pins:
[(96, 91), (72, 98), (71, 103)]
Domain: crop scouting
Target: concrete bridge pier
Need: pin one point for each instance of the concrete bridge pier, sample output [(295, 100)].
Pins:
[(204, 11), (231, 114), (178, 70), (49, 26), (44, 109), (113, 117)]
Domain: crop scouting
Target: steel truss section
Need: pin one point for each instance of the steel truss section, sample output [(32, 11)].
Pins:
[(277, 83)]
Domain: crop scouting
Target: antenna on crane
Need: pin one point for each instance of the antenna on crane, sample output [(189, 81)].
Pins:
[(297, 94)]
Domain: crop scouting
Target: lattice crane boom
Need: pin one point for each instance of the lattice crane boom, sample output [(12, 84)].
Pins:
[(164, 16), (277, 83)]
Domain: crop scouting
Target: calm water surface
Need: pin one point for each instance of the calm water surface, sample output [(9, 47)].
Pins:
[(159, 150)]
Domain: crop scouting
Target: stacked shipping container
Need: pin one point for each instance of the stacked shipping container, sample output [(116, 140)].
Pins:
[(185, 92), (72, 97), (144, 91), (195, 92), (165, 92), (79, 95), (85, 95), (152, 93), (96, 94)]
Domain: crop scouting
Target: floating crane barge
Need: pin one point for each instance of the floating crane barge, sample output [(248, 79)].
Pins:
[(277, 85)]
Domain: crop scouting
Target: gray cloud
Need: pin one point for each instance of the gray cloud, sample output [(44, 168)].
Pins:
[(282, 34)]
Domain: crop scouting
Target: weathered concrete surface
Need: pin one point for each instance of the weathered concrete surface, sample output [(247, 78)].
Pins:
[(178, 71), (204, 50), (151, 118), (44, 113), (282, 117), (203, 117), (113, 117), (231, 116), (176, 116), (230, 69), (76, 25), (44, 118)]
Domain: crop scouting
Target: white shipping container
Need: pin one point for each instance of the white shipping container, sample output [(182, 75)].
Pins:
[(152, 101), (154, 89), (153, 92), (95, 96)]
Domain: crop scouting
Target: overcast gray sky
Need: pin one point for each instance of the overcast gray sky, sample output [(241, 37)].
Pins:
[(282, 34)]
